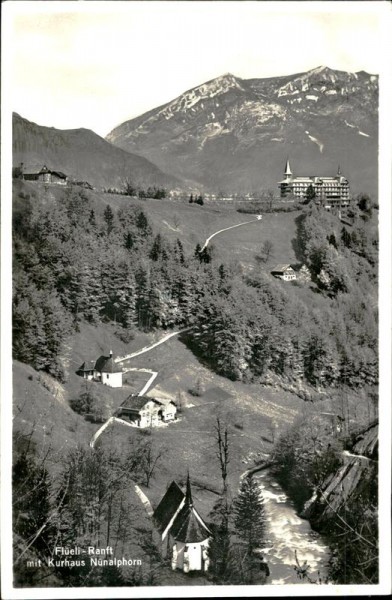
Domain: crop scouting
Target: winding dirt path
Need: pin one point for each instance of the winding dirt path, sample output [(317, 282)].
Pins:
[(148, 348), (227, 229)]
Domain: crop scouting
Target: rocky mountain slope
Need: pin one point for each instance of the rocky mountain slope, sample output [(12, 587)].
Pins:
[(232, 134), (83, 155)]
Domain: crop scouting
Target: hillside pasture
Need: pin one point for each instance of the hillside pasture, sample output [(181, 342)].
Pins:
[(193, 224)]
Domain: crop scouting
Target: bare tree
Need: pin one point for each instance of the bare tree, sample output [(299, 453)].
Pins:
[(270, 198), (150, 459), (267, 250), (222, 440)]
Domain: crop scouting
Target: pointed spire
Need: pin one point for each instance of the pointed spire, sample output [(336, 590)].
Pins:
[(188, 494), (287, 170), (339, 171)]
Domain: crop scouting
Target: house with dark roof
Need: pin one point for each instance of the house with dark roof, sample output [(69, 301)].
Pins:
[(104, 370), (43, 174), (147, 412), (86, 370), (181, 530), (285, 272)]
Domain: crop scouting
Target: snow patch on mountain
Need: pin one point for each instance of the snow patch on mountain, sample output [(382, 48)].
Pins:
[(190, 99), (259, 112), (211, 130), (315, 140)]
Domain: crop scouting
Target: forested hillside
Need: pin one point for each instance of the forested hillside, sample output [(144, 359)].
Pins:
[(76, 261), (79, 260)]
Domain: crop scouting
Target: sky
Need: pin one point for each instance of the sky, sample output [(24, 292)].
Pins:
[(97, 64)]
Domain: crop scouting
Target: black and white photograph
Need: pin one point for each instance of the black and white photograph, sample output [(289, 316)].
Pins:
[(196, 286)]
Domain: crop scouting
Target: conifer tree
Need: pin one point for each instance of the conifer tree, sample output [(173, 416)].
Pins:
[(248, 512), (109, 218)]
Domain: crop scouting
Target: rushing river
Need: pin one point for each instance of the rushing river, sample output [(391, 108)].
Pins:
[(287, 533)]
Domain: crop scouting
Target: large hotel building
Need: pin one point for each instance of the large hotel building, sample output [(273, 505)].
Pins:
[(333, 190)]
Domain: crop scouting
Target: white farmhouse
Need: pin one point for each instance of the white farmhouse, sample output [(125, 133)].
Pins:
[(285, 272), (143, 411)]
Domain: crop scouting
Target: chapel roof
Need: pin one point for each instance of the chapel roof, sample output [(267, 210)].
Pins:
[(187, 527), (168, 506), (106, 364)]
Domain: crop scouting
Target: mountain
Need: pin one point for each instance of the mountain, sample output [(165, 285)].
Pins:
[(233, 134), (83, 155)]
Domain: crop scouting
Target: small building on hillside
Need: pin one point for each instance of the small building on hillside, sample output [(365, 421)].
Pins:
[(285, 272), (181, 531), (104, 370), (147, 412), (86, 370), (44, 174)]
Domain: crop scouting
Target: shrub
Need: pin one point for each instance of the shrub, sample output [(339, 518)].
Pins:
[(84, 404)]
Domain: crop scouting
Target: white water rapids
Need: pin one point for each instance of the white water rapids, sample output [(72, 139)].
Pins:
[(286, 533)]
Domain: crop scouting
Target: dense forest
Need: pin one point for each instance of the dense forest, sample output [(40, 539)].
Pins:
[(75, 261)]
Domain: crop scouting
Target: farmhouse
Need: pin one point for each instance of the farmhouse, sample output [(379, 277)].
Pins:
[(331, 190), (104, 370), (44, 174), (182, 533), (285, 272), (147, 412)]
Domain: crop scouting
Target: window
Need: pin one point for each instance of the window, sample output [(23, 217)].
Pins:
[(107, 375)]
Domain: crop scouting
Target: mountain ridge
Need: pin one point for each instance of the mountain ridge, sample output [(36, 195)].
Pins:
[(83, 155), (234, 134)]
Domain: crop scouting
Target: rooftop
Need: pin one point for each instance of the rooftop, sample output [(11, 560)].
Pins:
[(280, 268), (106, 364), (136, 402), (168, 506)]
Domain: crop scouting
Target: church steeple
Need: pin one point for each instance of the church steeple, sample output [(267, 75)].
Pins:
[(287, 170), (188, 493)]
